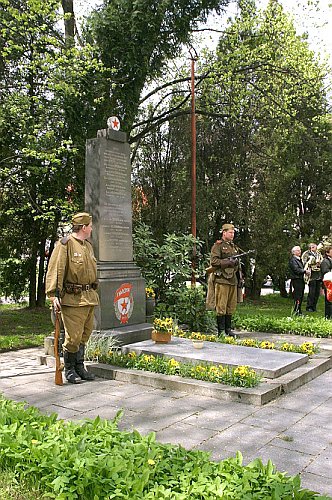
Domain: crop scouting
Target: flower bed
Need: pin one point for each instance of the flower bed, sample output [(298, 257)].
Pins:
[(306, 348), (241, 376)]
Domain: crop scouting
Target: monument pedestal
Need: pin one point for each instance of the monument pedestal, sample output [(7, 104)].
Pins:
[(122, 311)]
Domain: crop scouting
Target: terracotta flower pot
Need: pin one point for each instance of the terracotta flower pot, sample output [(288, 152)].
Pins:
[(161, 337)]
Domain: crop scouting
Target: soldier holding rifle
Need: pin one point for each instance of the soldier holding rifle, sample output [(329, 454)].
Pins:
[(71, 284), (224, 279)]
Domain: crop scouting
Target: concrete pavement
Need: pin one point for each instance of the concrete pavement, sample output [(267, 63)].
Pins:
[(294, 431)]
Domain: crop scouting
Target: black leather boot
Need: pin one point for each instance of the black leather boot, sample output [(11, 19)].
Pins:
[(79, 366), (221, 325), (69, 359), (228, 326)]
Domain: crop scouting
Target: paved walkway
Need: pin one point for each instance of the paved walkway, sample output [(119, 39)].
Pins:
[(295, 431)]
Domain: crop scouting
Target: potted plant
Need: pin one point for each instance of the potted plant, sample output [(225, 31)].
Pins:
[(162, 330), (198, 340), (150, 302)]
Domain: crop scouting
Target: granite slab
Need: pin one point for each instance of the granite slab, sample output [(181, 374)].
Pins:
[(268, 363)]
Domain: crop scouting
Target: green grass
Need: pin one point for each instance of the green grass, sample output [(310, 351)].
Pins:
[(14, 489), (273, 314), (277, 307), (22, 327)]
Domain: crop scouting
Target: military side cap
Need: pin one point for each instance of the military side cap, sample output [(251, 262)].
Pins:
[(227, 227), (83, 218)]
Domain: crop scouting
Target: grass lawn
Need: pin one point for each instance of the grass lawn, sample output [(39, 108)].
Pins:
[(22, 327), (273, 305)]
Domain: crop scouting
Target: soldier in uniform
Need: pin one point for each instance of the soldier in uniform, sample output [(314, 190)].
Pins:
[(71, 284), (224, 279), (312, 260)]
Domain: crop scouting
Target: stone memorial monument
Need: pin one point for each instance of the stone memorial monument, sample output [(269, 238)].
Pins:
[(122, 311)]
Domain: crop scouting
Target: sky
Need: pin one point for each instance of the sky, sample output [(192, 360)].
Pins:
[(315, 20)]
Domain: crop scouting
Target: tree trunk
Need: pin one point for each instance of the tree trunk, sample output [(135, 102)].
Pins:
[(253, 291), (41, 272), (33, 278), (282, 288), (69, 21)]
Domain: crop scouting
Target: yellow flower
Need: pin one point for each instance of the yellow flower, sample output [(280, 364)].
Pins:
[(149, 292), (163, 325), (34, 441), (307, 348), (173, 363), (241, 371), (248, 342), (151, 462), (265, 344), (147, 358), (230, 340), (131, 354)]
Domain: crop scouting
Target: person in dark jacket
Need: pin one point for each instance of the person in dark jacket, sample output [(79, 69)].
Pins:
[(326, 266), (296, 274)]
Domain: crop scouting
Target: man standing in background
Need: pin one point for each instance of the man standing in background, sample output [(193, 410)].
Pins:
[(312, 260)]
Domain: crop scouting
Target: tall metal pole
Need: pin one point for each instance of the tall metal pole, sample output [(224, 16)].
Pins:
[(193, 167)]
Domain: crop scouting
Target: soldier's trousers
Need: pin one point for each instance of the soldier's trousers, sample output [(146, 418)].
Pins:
[(226, 298), (78, 324)]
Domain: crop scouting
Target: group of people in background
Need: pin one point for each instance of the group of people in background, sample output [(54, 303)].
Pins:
[(311, 268)]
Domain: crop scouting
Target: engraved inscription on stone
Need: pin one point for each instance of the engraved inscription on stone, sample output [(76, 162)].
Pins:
[(115, 209)]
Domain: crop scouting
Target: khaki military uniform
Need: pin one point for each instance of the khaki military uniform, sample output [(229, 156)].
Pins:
[(73, 263), (223, 282)]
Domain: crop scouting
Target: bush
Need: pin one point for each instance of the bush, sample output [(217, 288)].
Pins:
[(14, 288), (188, 307), (166, 266)]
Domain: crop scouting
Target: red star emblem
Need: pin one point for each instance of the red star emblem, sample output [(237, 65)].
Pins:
[(124, 305), (116, 124)]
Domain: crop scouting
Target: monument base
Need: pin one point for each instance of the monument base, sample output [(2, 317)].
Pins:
[(128, 334)]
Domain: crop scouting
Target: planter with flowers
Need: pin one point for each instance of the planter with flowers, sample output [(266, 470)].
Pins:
[(197, 339), (150, 302), (162, 330)]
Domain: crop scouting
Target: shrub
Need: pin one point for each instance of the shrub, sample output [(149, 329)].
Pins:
[(93, 460)]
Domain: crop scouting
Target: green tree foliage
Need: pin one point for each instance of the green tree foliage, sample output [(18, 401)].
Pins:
[(137, 38), (46, 95), (263, 143)]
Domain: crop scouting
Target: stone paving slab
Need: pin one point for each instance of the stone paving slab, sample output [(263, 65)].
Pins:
[(219, 426), (259, 395), (268, 363)]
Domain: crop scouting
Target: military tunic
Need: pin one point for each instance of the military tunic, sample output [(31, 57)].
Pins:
[(224, 280), (74, 263)]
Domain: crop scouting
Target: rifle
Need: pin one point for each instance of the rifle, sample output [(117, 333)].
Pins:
[(238, 255), (211, 269), (58, 366)]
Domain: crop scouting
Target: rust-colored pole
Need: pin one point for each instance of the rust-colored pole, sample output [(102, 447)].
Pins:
[(193, 168)]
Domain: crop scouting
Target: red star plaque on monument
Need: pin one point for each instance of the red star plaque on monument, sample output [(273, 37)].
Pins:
[(114, 123)]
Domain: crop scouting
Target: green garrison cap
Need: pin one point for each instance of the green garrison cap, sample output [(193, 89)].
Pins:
[(83, 218)]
